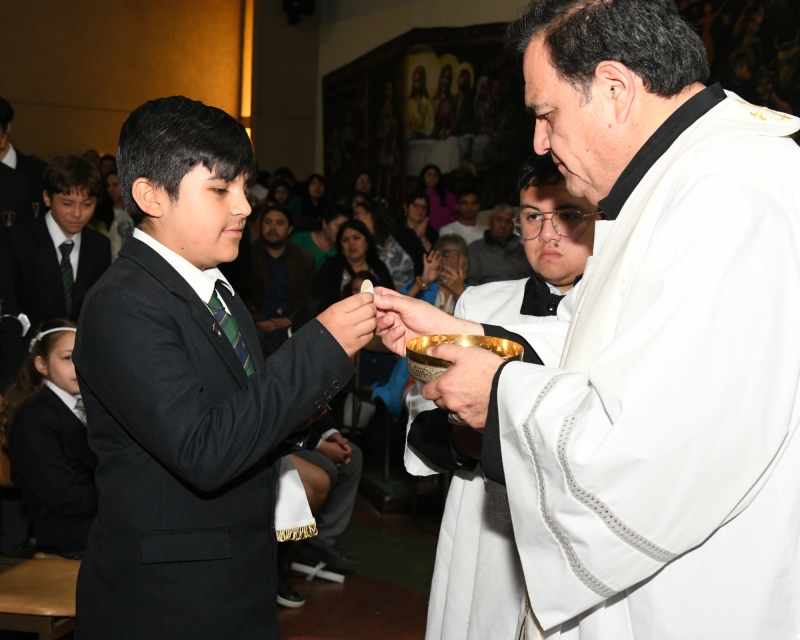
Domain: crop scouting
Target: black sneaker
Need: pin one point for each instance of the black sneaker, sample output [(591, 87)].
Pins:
[(288, 597), (334, 557)]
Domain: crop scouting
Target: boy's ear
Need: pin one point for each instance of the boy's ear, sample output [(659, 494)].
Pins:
[(149, 197), (47, 201)]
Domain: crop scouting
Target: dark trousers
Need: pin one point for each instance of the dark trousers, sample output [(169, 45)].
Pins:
[(334, 516)]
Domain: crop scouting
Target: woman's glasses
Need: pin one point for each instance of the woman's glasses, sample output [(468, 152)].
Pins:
[(567, 223)]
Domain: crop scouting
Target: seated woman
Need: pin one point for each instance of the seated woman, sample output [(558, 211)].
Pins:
[(356, 251), (307, 210), (279, 193), (321, 243), (442, 281), (43, 424), (417, 236), (389, 250), (441, 284)]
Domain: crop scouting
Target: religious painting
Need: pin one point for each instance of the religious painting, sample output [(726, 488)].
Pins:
[(452, 98), (753, 47), (447, 97)]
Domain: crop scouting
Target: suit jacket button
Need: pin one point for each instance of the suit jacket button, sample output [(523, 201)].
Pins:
[(335, 385), (327, 395), (317, 405)]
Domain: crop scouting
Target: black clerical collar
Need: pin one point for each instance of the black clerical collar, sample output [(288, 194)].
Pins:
[(538, 299), (689, 113)]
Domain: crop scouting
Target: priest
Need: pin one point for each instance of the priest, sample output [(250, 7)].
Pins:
[(478, 587), (653, 477)]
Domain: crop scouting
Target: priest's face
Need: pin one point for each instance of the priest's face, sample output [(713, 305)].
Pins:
[(574, 131), (559, 260)]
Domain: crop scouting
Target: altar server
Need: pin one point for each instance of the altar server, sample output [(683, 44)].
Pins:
[(478, 587), (654, 476), (186, 420)]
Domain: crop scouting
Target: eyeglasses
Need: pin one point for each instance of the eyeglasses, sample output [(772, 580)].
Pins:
[(567, 223), (363, 181)]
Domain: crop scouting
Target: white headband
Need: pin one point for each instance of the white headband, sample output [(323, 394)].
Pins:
[(42, 334)]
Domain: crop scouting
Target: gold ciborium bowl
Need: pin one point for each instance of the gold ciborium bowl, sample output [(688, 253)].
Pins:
[(424, 368)]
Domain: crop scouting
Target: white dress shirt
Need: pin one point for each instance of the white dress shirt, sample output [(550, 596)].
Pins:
[(68, 399), (10, 159), (59, 237), (202, 281)]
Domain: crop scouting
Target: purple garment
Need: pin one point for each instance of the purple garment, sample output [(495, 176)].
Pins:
[(442, 214)]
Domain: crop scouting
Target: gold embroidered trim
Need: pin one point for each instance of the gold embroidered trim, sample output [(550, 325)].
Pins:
[(297, 533)]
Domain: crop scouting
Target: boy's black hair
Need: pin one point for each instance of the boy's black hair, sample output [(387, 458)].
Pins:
[(70, 174), (6, 114), (165, 139), (538, 171)]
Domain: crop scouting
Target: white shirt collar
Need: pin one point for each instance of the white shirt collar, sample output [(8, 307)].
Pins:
[(554, 290), (67, 398), (203, 282), (10, 159), (58, 235)]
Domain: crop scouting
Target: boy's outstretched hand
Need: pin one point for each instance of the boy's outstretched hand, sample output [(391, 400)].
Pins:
[(352, 321)]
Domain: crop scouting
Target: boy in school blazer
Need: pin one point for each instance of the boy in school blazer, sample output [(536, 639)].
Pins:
[(41, 251), (184, 417)]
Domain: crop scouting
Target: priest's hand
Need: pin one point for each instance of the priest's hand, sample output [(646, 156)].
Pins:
[(401, 319), (466, 387), (352, 322)]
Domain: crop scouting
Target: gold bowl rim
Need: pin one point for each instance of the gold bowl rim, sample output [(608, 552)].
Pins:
[(514, 350)]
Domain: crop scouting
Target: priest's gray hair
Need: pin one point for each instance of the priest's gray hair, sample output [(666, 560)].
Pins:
[(647, 36)]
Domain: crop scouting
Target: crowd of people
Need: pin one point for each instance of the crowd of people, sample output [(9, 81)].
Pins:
[(301, 251)]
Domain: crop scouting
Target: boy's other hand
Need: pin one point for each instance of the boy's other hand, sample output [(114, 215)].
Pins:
[(352, 322)]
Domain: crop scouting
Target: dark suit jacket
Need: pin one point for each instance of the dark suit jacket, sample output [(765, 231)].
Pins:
[(37, 274), (15, 203), (53, 467), (184, 541), (300, 270), (33, 170), (12, 349)]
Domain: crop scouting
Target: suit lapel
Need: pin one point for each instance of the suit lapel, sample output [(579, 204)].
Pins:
[(172, 280), (246, 327), (213, 331), (46, 258)]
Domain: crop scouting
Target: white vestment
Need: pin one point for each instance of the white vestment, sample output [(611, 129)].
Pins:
[(478, 590), (656, 477)]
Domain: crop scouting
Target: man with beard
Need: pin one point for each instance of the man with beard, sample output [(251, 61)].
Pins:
[(282, 273)]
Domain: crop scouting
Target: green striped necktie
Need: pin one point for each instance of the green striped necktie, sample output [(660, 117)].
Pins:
[(231, 328)]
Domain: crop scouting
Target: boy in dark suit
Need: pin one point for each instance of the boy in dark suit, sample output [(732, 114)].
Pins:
[(185, 418), (29, 168), (55, 259)]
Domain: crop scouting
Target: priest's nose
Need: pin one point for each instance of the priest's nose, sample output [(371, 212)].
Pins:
[(541, 139)]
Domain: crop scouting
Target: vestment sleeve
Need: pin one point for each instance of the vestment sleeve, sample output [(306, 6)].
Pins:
[(681, 418)]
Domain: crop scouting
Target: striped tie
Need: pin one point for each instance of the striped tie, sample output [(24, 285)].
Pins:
[(231, 329), (67, 276)]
